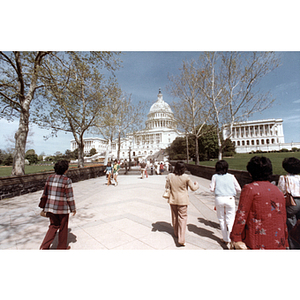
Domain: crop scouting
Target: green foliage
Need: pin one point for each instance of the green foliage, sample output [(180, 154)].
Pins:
[(32, 158), (8, 160), (93, 151), (208, 146), (30, 152)]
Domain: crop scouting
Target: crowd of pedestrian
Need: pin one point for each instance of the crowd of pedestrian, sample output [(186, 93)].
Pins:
[(264, 218)]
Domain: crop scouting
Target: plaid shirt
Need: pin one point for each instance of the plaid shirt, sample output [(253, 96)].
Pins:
[(59, 192)]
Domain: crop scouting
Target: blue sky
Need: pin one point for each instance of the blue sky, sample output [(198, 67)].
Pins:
[(143, 73)]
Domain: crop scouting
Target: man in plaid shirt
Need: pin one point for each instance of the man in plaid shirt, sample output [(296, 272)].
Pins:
[(60, 202)]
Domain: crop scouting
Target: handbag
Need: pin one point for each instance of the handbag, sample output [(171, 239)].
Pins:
[(295, 232), (289, 199), (166, 194)]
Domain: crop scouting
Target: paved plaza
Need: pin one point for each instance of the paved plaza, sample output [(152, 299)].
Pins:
[(130, 216)]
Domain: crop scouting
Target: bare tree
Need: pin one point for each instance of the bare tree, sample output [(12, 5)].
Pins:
[(120, 118), (19, 81), (231, 80), (190, 110)]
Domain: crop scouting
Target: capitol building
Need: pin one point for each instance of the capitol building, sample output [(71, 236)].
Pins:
[(159, 133), (261, 135), (161, 130)]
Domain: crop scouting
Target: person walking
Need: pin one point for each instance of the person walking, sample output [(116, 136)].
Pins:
[(143, 168), (178, 183), (108, 172), (260, 221), (116, 168), (225, 186), (291, 184), (161, 168), (126, 166), (58, 192)]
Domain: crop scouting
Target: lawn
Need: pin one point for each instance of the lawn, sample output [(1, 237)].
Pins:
[(239, 161), (6, 170)]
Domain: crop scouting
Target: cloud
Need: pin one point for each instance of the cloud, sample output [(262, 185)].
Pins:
[(292, 119), (296, 101)]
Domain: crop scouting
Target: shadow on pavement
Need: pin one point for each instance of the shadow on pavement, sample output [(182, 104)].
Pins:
[(165, 227), (209, 223), (72, 238), (206, 233)]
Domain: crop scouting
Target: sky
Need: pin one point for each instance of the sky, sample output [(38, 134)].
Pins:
[(145, 72)]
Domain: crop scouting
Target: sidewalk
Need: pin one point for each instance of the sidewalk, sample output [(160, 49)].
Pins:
[(130, 216)]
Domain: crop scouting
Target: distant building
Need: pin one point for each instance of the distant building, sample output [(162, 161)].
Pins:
[(159, 133), (262, 135)]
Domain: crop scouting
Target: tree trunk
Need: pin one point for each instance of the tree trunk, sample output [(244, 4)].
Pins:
[(196, 151), (18, 168), (81, 152), (187, 149), (119, 146), (220, 155)]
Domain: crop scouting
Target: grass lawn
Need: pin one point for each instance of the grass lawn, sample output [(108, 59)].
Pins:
[(239, 161), (6, 170)]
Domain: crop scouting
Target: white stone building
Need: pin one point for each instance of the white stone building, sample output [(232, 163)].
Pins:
[(160, 131), (262, 135)]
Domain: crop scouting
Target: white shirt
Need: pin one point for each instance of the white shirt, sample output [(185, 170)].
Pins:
[(293, 184)]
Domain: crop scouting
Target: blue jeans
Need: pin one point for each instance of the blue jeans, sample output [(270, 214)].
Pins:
[(293, 214)]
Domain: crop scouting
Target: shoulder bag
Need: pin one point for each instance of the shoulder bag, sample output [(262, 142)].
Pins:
[(166, 194), (289, 199)]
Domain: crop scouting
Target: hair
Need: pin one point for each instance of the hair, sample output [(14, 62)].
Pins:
[(291, 165), (109, 164), (260, 168), (179, 168), (221, 167), (61, 167)]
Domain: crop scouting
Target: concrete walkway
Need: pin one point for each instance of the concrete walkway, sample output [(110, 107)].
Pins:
[(131, 216)]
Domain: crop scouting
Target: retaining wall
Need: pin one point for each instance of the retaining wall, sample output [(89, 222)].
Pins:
[(20, 185), (242, 177)]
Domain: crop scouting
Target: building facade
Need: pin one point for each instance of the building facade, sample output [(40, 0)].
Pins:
[(261, 135), (159, 133)]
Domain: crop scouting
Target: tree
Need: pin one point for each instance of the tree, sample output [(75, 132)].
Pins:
[(77, 93), (230, 86), (121, 118), (208, 146), (93, 151), (19, 81), (191, 111), (31, 156)]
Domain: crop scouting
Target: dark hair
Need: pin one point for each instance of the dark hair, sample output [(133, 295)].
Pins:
[(260, 168), (221, 167), (61, 167), (179, 168), (291, 165)]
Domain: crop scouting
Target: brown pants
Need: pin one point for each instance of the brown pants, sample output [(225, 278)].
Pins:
[(57, 222), (179, 220)]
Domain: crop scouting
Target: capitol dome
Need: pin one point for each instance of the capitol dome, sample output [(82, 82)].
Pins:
[(160, 105), (160, 115)]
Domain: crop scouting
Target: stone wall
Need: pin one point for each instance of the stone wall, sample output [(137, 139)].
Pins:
[(19, 185), (242, 177)]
